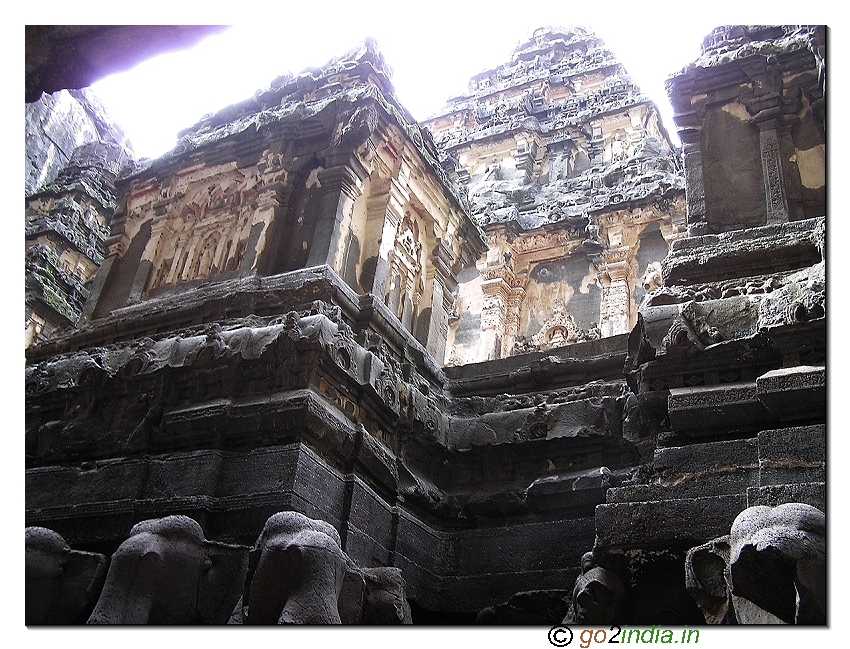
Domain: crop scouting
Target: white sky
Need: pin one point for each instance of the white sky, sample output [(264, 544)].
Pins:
[(433, 52)]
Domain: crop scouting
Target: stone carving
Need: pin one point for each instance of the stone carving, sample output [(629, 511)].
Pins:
[(707, 580), (299, 574), (166, 572), (558, 330), (770, 569), (61, 583), (296, 573), (285, 384), (598, 595), (385, 600), (652, 279)]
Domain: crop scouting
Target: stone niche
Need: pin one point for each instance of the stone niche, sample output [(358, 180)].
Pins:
[(751, 117)]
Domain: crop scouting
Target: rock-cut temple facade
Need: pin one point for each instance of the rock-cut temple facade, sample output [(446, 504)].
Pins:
[(526, 362)]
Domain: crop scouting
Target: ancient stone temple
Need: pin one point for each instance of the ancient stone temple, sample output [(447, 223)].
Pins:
[(528, 364), (573, 178)]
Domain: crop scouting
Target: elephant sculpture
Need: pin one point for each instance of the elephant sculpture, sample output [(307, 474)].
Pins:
[(298, 574), (61, 584), (771, 568), (598, 595), (373, 596), (295, 575), (166, 572)]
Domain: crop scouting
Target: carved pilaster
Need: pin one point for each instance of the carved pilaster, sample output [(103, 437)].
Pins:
[(340, 186), (384, 212), (615, 312), (774, 179), (443, 282), (503, 295), (694, 181)]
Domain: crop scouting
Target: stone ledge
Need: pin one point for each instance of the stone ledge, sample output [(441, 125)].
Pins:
[(793, 393), (666, 522), (700, 410)]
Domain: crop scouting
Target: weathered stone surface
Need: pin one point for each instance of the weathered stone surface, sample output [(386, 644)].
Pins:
[(777, 564), (792, 455), (707, 579), (535, 607), (702, 410), (166, 572), (809, 493), (665, 523), (793, 393), (577, 186), (770, 569), (62, 585)]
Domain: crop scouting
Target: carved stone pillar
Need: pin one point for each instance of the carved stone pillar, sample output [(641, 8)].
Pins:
[(694, 180), (443, 282), (385, 210), (615, 317), (771, 162), (272, 204), (503, 294), (340, 187)]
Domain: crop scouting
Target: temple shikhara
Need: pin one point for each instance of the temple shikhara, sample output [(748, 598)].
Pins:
[(529, 361)]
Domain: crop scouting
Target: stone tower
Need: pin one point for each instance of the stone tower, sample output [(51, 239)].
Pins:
[(574, 179)]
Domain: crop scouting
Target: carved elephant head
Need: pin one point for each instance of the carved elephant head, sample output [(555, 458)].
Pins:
[(771, 568), (167, 573), (598, 595), (61, 583), (373, 596), (295, 574)]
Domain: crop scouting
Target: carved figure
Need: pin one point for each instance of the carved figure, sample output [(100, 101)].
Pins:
[(771, 568), (296, 573), (60, 582), (652, 278), (167, 573), (598, 595)]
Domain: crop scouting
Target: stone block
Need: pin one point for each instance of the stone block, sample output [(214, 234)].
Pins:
[(183, 475), (794, 393), (581, 489), (705, 410), (809, 493), (708, 469), (261, 470), (791, 455), (522, 547), (91, 483), (683, 523)]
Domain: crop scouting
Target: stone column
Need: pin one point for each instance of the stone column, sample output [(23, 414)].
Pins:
[(503, 294), (771, 162), (340, 186), (615, 316), (272, 204), (694, 180), (444, 283), (385, 210)]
